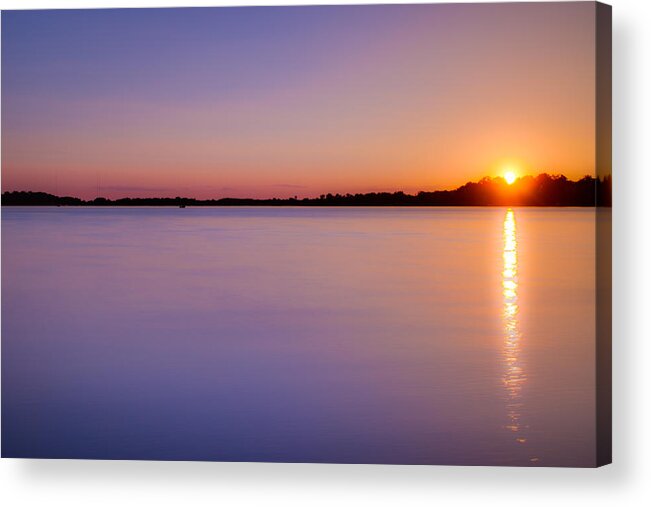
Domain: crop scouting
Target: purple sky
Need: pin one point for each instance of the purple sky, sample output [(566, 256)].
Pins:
[(280, 101)]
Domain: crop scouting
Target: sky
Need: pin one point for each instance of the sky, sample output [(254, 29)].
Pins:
[(284, 101)]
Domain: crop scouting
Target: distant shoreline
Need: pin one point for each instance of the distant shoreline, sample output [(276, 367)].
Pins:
[(93, 206), (542, 190)]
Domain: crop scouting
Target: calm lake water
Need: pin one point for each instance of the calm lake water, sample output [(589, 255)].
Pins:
[(353, 335)]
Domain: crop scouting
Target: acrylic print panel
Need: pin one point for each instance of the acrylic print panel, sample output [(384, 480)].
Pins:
[(343, 234)]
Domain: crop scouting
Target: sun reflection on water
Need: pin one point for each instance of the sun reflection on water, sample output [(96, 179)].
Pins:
[(514, 374)]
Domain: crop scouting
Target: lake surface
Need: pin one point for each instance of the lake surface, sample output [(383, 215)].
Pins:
[(351, 335)]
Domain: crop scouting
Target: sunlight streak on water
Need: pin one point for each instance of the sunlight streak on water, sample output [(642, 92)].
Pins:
[(515, 376)]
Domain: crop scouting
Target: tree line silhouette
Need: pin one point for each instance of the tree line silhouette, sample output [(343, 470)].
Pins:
[(541, 190)]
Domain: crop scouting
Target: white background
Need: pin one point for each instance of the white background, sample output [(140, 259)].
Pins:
[(626, 482)]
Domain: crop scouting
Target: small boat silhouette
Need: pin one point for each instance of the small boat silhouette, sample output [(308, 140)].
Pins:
[(181, 205)]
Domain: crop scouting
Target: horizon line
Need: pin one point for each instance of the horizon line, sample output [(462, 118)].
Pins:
[(518, 180)]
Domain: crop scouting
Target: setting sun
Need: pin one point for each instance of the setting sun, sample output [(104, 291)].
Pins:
[(510, 177)]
